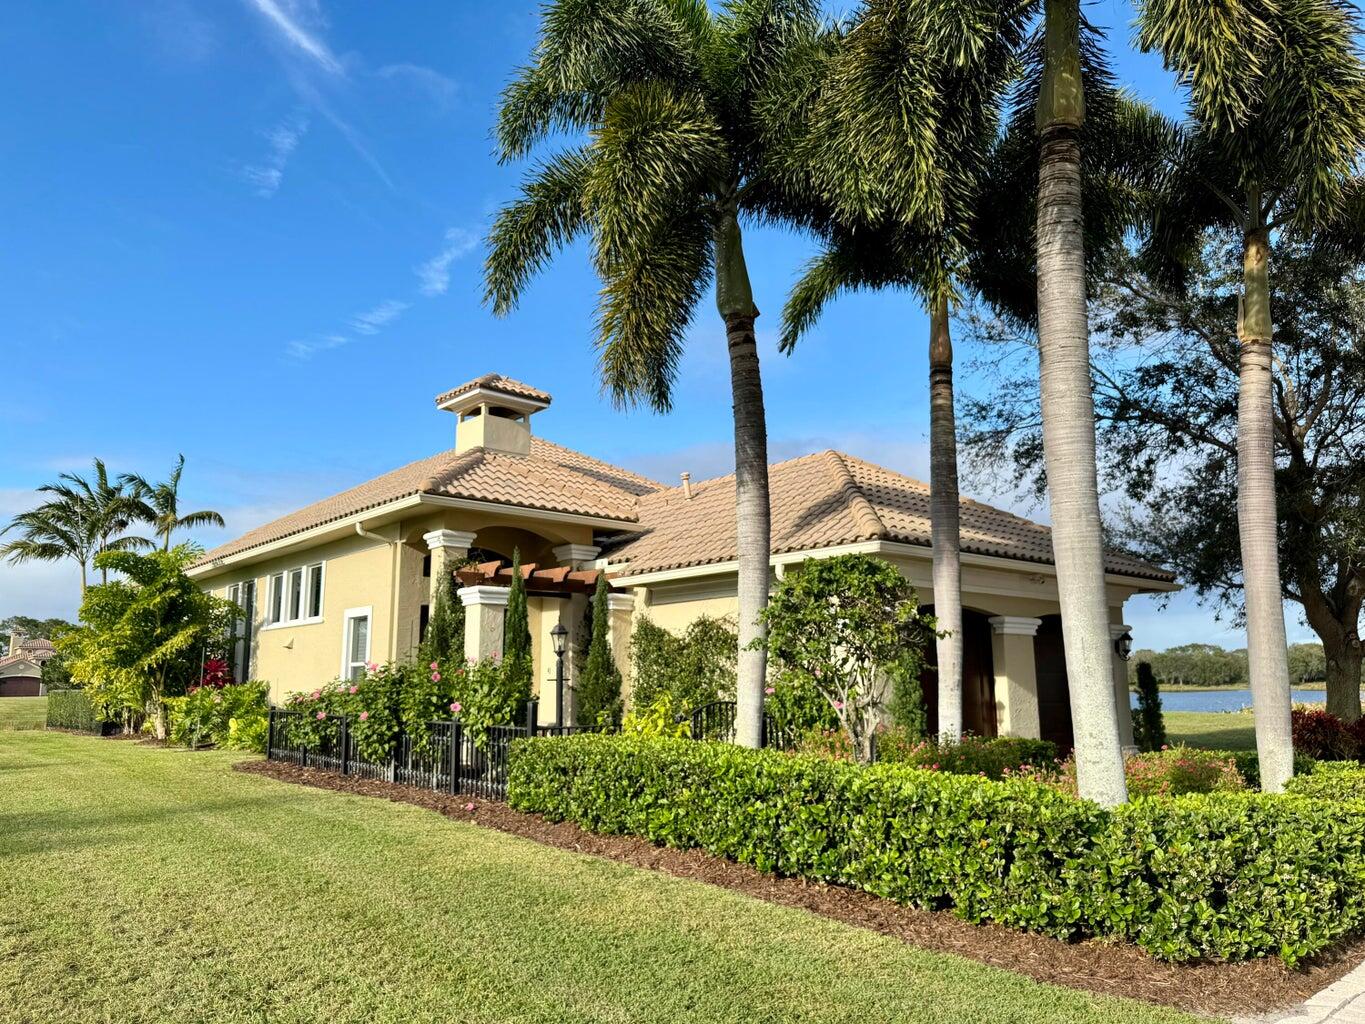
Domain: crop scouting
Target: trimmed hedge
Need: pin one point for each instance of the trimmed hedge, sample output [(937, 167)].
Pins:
[(71, 709), (1223, 877), (1343, 781)]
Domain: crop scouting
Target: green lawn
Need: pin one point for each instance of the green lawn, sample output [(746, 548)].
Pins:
[(23, 712), (151, 884), (1217, 730)]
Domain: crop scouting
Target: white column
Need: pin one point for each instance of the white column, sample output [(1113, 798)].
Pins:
[(484, 610), (569, 611), (447, 547), (1125, 702), (620, 613), (576, 555), (1016, 677)]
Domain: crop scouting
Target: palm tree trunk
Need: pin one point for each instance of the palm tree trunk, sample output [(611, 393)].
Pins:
[(735, 301), (1069, 415), (944, 526), (1267, 647)]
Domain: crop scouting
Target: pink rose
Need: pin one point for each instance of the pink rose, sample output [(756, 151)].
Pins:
[(838, 705), (317, 694), (455, 708), (322, 715), (436, 677), (355, 689), (371, 666), (434, 666), (468, 807), (769, 691), (364, 716)]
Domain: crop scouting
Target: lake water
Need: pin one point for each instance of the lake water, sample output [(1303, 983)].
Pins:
[(1224, 700)]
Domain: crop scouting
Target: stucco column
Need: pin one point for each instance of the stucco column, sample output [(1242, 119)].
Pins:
[(1016, 677), (484, 609), (1125, 702), (448, 548), (576, 555), (620, 614), (569, 611)]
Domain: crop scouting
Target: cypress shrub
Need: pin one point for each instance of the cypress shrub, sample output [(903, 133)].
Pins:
[(599, 684), (516, 636), (1149, 726)]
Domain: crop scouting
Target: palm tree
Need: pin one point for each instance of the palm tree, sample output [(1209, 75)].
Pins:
[(83, 518), (901, 209), (1277, 122), (666, 93), (159, 505)]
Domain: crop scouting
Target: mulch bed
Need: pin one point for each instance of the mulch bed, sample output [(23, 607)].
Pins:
[(1116, 969)]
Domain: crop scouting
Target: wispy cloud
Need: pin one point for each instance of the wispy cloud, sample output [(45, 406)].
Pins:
[(373, 321), (308, 348), (286, 23), (283, 140), (434, 275), (436, 85)]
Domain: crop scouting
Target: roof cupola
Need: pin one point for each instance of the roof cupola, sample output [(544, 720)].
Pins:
[(494, 412)]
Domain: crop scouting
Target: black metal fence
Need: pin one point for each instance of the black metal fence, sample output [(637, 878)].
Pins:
[(452, 762), (716, 721)]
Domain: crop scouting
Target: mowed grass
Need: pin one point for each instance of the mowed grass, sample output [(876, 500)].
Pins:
[(151, 884), (23, 712), (1213, 730)]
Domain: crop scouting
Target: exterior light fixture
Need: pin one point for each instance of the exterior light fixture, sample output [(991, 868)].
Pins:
[(1123, 646), (559, 636)]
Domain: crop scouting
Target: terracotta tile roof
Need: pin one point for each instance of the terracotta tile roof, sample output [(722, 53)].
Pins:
[(552, 478), (496, 382), (823, 500)]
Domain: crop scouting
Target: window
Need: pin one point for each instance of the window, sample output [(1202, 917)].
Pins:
[(356, 640), (243, 595), (295, 596)]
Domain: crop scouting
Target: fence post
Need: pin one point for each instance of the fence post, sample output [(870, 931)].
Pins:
[(532, 713), (345, 744), (270, 736), (456, 744)]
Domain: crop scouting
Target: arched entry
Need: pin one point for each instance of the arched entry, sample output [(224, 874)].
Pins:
[(1054, 695), (978, 678)]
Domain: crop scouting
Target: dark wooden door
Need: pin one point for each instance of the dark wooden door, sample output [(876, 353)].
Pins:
[(978, 679)]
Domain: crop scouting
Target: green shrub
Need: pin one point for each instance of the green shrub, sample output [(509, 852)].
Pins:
[(1342, 781), (693, 669), (1228, 876), (1149, 725), (1249, 764), (205, 716), (658, 719), (599, 684), (1225, 876), (516, 633), (72, 709), (1175, 771), (994, 758)]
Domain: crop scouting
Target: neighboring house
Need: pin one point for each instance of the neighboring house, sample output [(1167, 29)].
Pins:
[(21, 670), (349, 580)]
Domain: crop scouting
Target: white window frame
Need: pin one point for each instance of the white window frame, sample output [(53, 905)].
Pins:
[(281, 580), (350, 615)]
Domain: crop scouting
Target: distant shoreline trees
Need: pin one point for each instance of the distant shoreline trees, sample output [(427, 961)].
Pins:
[(1210, 665)]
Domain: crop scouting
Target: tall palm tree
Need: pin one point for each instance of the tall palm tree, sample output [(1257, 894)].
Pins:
[(1068, 409), (159, 504), (82, 518), (1273, 143), (665, 93), (898, 166)]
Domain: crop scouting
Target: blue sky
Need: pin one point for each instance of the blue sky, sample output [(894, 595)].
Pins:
[(250, 231)]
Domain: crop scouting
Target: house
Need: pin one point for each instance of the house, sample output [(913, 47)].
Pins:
[(349, 579), (21, 669)]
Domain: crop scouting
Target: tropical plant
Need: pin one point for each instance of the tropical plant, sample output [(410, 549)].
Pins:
[(143, 636), (599, 684), (836, 624), (893, 129), (516, 633), (662, 717), (667, 91), (158, 504), (1277, 123), (81, 519)]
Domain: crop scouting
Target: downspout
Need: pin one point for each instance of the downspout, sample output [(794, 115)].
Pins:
[(393, 587)]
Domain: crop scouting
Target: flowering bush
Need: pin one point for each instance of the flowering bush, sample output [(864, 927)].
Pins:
[(995, 758), (1325, 737), (1172, 771)]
